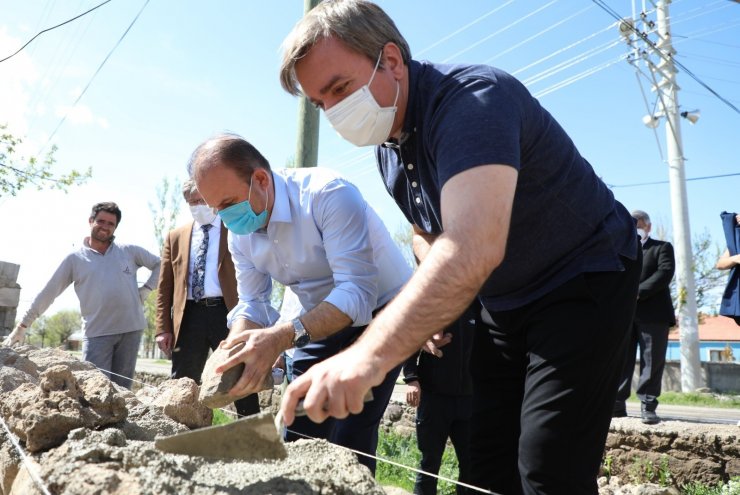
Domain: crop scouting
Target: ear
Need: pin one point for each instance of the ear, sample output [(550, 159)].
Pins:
[(393, 59), (261, 178)]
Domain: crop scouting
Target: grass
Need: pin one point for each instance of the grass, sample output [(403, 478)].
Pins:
[(696, 399), (221, 418), (731, 488), (403, 450)]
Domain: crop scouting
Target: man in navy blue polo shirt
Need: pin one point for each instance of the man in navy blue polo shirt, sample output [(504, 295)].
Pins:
[(505, 209)]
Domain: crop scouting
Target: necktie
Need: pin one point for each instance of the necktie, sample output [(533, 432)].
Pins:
[(199, 270)]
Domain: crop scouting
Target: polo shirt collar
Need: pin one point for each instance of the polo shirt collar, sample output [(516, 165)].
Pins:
[(415, 69)]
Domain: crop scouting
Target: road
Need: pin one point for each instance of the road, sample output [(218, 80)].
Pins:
[(665, 411)]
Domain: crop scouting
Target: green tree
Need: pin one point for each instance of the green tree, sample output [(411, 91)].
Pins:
[(707, 277), (39, 331), (150, 312), (166, 209), (18, 172), (61, 325), (164, 215), (404, 237)]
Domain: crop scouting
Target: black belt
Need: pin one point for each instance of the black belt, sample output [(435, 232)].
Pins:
[(208, 301)]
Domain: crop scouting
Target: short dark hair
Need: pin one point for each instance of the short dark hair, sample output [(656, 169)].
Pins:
[(108, 206), (230, 150)]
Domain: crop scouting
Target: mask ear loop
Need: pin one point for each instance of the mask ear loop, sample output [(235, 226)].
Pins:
[(375, 70)]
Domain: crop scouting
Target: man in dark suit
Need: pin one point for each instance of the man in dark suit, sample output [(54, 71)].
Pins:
[(197, 289), (654, 316)]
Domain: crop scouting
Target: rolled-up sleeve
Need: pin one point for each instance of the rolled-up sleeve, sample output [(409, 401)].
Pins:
[(254, 287), (339, 211)]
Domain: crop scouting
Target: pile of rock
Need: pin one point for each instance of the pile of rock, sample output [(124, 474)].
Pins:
[(83, 434)]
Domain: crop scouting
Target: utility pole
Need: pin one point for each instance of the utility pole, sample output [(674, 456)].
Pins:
[(307, 148), (665, 86)]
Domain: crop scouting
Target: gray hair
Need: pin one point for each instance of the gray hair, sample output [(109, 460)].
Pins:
[(188, 188), (361, 25), (641, 215), (230, 150)]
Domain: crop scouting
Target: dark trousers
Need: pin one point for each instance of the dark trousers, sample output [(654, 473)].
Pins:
[(545, 379), (357, 431), (202, 329), (652, 338), (439, 417)]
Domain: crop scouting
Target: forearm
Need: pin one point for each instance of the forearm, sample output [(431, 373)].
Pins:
[(402, 328), (727, 262)]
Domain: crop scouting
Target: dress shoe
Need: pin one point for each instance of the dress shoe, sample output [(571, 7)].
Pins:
[(619, 413), (649, 417)]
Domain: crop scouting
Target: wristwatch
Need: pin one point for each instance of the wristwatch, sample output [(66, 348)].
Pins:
[(300, 335)]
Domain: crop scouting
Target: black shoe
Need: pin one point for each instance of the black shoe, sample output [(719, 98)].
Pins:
[(649, 417), (619, 411)]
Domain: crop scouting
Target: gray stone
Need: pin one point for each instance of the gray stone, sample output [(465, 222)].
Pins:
[(214, 388), (178, 399)]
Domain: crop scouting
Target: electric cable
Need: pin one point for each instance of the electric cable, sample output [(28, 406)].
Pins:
[(578, 77), (87, 86), (638, 184), (496, 33), (52, 28), (537, 35), (464, 28), (665, 57), (570, 62), (561, 50)]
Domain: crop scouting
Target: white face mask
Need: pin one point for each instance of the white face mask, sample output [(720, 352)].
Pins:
[(359, 119), (642, 234), (203, 214)]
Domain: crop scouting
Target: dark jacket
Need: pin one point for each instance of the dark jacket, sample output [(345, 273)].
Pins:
[(448, 375), (654, 303), (730, 305)]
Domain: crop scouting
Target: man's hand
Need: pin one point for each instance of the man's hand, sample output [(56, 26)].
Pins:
[(335, 387), (164, 341), (144, 293), (17, 336), (260, 351), (413, 393), (438, 340)]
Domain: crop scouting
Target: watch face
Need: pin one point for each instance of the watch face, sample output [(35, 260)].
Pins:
[(302, 340)]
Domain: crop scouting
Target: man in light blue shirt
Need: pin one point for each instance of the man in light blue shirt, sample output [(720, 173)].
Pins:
[(312, 231)]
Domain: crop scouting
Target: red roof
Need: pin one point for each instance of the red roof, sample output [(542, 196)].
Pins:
[(714, 328)]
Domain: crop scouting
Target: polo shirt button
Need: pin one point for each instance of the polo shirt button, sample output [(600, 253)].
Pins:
[(410, 166), (413, 184), (418, 200)]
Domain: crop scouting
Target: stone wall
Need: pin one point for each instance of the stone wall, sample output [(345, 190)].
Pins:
[(671, 452), (10, 293)]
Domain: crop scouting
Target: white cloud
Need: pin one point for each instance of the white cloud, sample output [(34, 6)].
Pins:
[(80, 115), (16, 74)]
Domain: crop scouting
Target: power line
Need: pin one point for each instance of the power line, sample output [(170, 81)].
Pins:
[(537, 35), (665, 57), (637, 184), (464, 28), (82, 93), (51, 28), (496, 33)]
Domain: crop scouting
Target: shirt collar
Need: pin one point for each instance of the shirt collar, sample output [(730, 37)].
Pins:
[(415, 69), (281, 205)]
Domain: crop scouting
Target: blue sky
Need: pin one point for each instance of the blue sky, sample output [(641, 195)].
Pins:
[(188, 69)]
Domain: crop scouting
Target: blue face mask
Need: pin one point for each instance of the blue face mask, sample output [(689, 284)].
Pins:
[(241, 218)]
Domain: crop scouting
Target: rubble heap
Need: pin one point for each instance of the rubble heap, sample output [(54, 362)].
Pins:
[(84, 434)]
